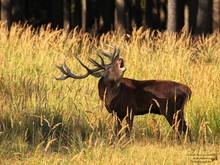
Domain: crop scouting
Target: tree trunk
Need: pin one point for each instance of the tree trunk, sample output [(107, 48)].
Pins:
[(84, 15), (6, 12), (66, 15), (216, 14), (172, 22), (204, 17), (120, 16)]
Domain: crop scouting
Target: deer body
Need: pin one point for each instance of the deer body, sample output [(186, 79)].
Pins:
[(141, 97), (127, 97)]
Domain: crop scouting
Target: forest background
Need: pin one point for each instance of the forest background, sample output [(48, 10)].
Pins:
[(101, 16)]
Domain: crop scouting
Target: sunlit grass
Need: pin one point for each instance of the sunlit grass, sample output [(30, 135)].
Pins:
[(44, 118)]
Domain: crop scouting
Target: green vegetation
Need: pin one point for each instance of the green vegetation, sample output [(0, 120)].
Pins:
[(44, 121)]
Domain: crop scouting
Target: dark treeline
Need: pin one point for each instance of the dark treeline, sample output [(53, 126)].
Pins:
[(101, 16)]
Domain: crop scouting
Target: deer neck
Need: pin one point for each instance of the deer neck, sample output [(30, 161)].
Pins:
[(109, 92)]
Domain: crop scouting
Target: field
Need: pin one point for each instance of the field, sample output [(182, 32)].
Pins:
[(44, 121)]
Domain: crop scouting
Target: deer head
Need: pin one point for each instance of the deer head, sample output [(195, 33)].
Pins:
[(113, 71)]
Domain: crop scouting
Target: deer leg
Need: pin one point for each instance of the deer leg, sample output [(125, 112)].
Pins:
[(187, 131), (173, 111), (173, 117), (129, 120), (118, 126), (182, 126), (178, 123), (168, 110), (119, 129)]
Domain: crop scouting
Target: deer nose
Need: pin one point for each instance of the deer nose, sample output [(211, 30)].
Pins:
[(121, 61), (122, 67)]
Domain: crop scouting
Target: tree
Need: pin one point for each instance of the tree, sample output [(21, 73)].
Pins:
[(200, 16), (172, 23), (216, 14), (6, 12), (175, 20), (123, 21), (84, 7), (66, 15), (120, 15), (204, 17)]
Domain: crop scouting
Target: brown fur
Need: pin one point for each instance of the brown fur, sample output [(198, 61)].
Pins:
[(133, 97)]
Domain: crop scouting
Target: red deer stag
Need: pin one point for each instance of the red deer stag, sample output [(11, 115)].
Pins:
[(127, 97)]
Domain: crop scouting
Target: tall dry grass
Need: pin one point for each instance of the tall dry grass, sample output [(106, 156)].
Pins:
[(40, 116)]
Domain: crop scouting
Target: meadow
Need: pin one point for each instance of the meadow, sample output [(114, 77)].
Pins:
[(44, 121)]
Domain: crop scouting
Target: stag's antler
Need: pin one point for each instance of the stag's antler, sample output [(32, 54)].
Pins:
[(113, 56), (66, 72)]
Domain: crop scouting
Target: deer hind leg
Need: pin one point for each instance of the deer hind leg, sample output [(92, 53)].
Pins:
[(174, 113), (182, 126), (169, 109), (177, 122)]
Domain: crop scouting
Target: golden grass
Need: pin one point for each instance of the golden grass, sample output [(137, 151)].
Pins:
[(40, 115)]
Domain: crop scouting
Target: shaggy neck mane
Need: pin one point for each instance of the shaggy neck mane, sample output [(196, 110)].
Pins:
[(108, 92)]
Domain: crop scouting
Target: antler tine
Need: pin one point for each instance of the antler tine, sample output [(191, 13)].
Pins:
[(102, 60), (114, 52), (96, 63), (66, 72), (117, 54), (81, 63), (106, 55), (63, 76), (91, 71)]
